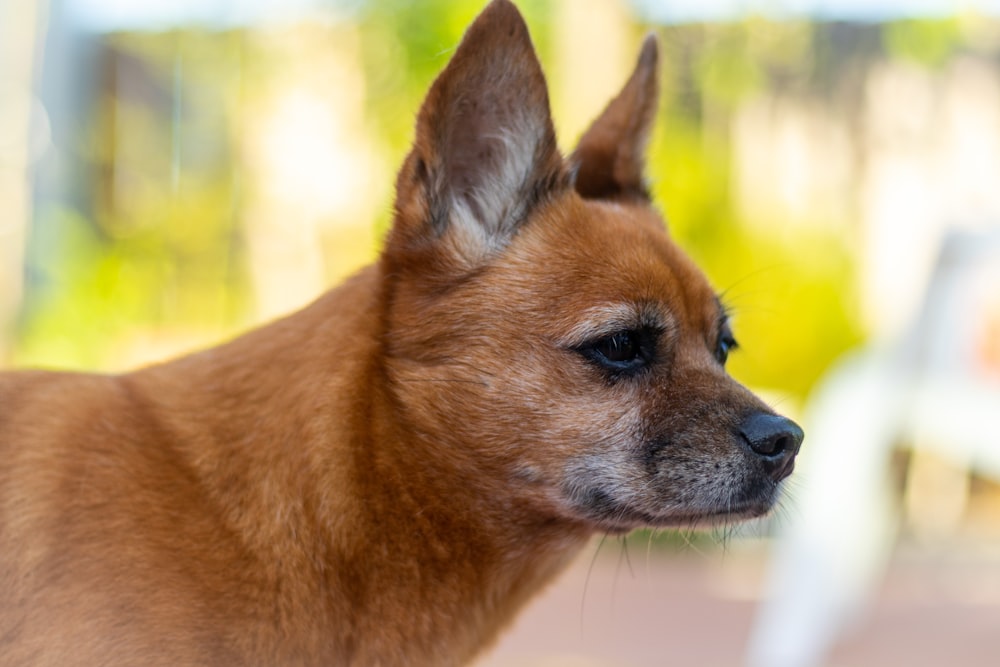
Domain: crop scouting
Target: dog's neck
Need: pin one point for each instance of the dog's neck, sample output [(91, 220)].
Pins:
[(385, 526)]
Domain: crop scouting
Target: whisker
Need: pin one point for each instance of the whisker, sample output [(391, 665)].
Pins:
[(586, 582), (779, 266), (618, 569)]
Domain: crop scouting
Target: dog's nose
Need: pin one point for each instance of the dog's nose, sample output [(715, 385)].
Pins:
[(775, 439)]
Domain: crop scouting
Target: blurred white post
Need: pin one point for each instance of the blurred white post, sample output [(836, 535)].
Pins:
[(932, 389), (20, 22), (837, 544)]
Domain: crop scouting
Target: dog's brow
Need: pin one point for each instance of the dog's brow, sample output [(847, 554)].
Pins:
[(723, 319), (607, 319)]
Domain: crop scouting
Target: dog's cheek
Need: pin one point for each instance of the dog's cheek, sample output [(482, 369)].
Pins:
[(562, 435), (560, 428)]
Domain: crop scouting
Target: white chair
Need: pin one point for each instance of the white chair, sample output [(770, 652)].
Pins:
[(932, 391)]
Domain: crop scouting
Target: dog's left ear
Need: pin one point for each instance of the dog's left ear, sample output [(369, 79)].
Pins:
[(485, 151), (610, 159)]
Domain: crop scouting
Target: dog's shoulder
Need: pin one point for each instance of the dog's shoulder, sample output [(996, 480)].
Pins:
[(37, 401)]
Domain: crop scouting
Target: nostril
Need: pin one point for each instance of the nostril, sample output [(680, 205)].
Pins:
[(775, 446), (771, 436)]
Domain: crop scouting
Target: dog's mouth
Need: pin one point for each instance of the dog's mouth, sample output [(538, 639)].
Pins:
[(616, 517)]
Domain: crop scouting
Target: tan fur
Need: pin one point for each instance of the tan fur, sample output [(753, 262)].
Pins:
[(385, 477)]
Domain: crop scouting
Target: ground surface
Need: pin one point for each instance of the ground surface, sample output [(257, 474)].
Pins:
[(935, 607)]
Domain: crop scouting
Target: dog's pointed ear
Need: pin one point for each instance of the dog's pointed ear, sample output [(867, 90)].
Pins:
[(485, 150), (610, 158)]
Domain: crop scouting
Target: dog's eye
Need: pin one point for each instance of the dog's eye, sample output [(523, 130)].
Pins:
[(621, 352), (619, 348), (726, 345)]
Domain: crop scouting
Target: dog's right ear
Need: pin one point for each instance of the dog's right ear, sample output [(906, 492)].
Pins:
[(485, 149), (610, 158)]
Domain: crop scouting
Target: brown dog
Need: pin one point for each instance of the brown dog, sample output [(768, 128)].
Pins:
[(385, 477)]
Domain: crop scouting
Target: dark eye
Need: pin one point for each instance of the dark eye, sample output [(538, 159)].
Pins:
[(619, 348), (622, 352), (726, 345)]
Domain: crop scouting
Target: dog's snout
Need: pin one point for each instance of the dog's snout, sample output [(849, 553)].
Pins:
[(775, 439)]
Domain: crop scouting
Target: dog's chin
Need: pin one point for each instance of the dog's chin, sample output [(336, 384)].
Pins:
[(619, 518), (696, 520)]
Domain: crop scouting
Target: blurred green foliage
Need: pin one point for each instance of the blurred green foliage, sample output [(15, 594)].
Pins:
[(791, 293), (157, 240), (923, 41), (154, 241)]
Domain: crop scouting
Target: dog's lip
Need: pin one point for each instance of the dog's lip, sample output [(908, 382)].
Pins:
[(785, 470), (737, 513), (626, 518)]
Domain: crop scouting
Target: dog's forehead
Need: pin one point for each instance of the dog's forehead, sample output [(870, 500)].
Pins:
[(627, 248), (611, 259)]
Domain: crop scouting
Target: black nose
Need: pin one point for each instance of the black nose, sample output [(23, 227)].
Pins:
[(775, 439)]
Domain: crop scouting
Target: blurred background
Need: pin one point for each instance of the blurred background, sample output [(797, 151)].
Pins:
[(173, 172)]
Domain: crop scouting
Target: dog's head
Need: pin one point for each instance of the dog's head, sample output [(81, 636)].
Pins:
[(543, 331)]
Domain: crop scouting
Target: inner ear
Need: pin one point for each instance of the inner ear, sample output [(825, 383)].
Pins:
[(610, 158), (489, 150)]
